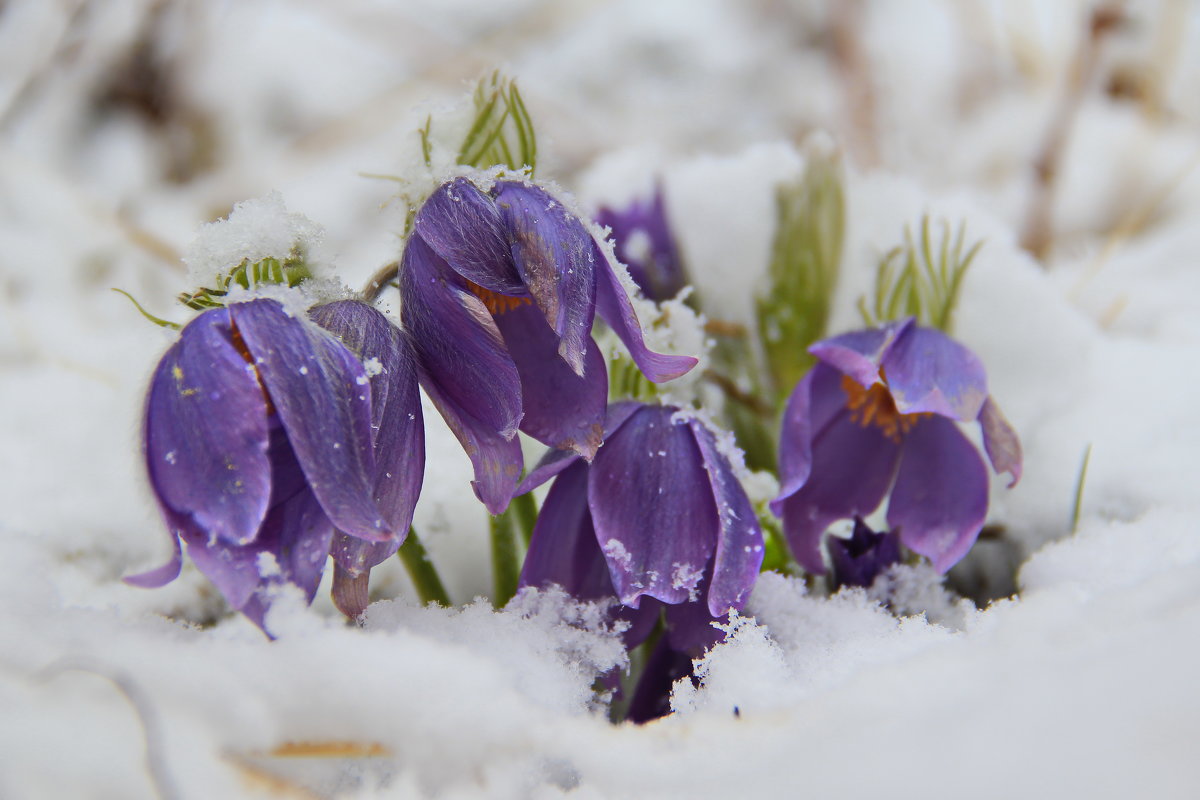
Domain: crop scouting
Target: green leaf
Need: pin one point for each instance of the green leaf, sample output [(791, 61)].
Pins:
[(920, 279), (501, 133), (806, 255)]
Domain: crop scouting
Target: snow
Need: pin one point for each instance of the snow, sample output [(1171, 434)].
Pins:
[(1082, 684)]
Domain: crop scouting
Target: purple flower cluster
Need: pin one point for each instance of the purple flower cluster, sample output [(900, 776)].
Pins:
[(275, 439)]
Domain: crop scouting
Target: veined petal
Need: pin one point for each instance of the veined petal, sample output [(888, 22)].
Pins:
[(562, 409), (929, 371), (563, 549), (555, 461), (457, 344), (860, 354), (690, 627), (206, 432), (616, 310), (1000, 441), (555, 257), (463, 226), (322, 396), (811, 406), (652, 507), (940, 499), (291, 547), (497, 459), (852, 469), (397, 428), (739, 552)]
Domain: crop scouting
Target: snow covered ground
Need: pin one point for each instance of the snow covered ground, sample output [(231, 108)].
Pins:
[(125, 125)]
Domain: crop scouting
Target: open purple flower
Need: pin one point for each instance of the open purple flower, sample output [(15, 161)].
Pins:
[(859, 560), (658, 514), (878, 417), (643, 242), (272, 440), (499, 292)]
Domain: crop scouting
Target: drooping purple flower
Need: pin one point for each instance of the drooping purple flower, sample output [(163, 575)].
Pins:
[(272, 440), (859, 560), (499, 292), (878, 417), (657, 519), (644, 243)]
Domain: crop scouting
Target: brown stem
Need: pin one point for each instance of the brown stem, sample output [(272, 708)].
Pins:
[(852, 66), (380, 281), (1038, 232), (726, 385)]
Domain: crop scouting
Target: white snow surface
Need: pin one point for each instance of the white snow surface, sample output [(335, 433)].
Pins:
[(1083, 684)]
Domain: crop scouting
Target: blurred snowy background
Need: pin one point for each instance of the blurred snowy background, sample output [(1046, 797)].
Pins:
[(125, 124)]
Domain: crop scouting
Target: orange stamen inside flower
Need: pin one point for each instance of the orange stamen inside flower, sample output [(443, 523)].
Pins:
[(874, 406), (497, 303), (239, 344)]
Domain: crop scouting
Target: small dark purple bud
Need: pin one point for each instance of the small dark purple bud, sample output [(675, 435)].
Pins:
[(859, 560)]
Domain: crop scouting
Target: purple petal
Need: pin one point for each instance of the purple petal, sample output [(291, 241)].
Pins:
[(397, 427), (458, 346), (659, 271), (463, 226), (350, 593), (563, 549), (929, 371), (690, 628), (859, 354), (852, 469), (562, 409), (1000, 441), (291, 547), (652, 696), (323, 398), (940, 499), (206, 432), (739, 552), (652, 506), (555, 461), (555, 256), (161, 576), (814, 402), (614, 307)]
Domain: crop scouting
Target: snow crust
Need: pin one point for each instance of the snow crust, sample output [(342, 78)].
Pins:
[(1083, 684)]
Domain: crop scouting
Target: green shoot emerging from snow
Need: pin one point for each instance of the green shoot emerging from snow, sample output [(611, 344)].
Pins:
[(914, 280), (290, 272), (501, 132), (805, 257)]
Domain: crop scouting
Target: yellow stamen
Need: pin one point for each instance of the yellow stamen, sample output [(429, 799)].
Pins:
[(874, 406), (497, 303)]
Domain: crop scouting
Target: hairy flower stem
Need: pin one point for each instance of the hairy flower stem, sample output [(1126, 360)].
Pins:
[(424, 575), (525, 512), (506, 561)]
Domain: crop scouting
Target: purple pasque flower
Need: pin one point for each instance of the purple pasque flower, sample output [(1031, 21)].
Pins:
[(644, 243), (859, 560), (878, 417), (273, 440), (658, 518), (499, 292)]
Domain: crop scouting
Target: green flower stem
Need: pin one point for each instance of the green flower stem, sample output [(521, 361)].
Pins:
[(424, 575), (506, 562), (524, 511)]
